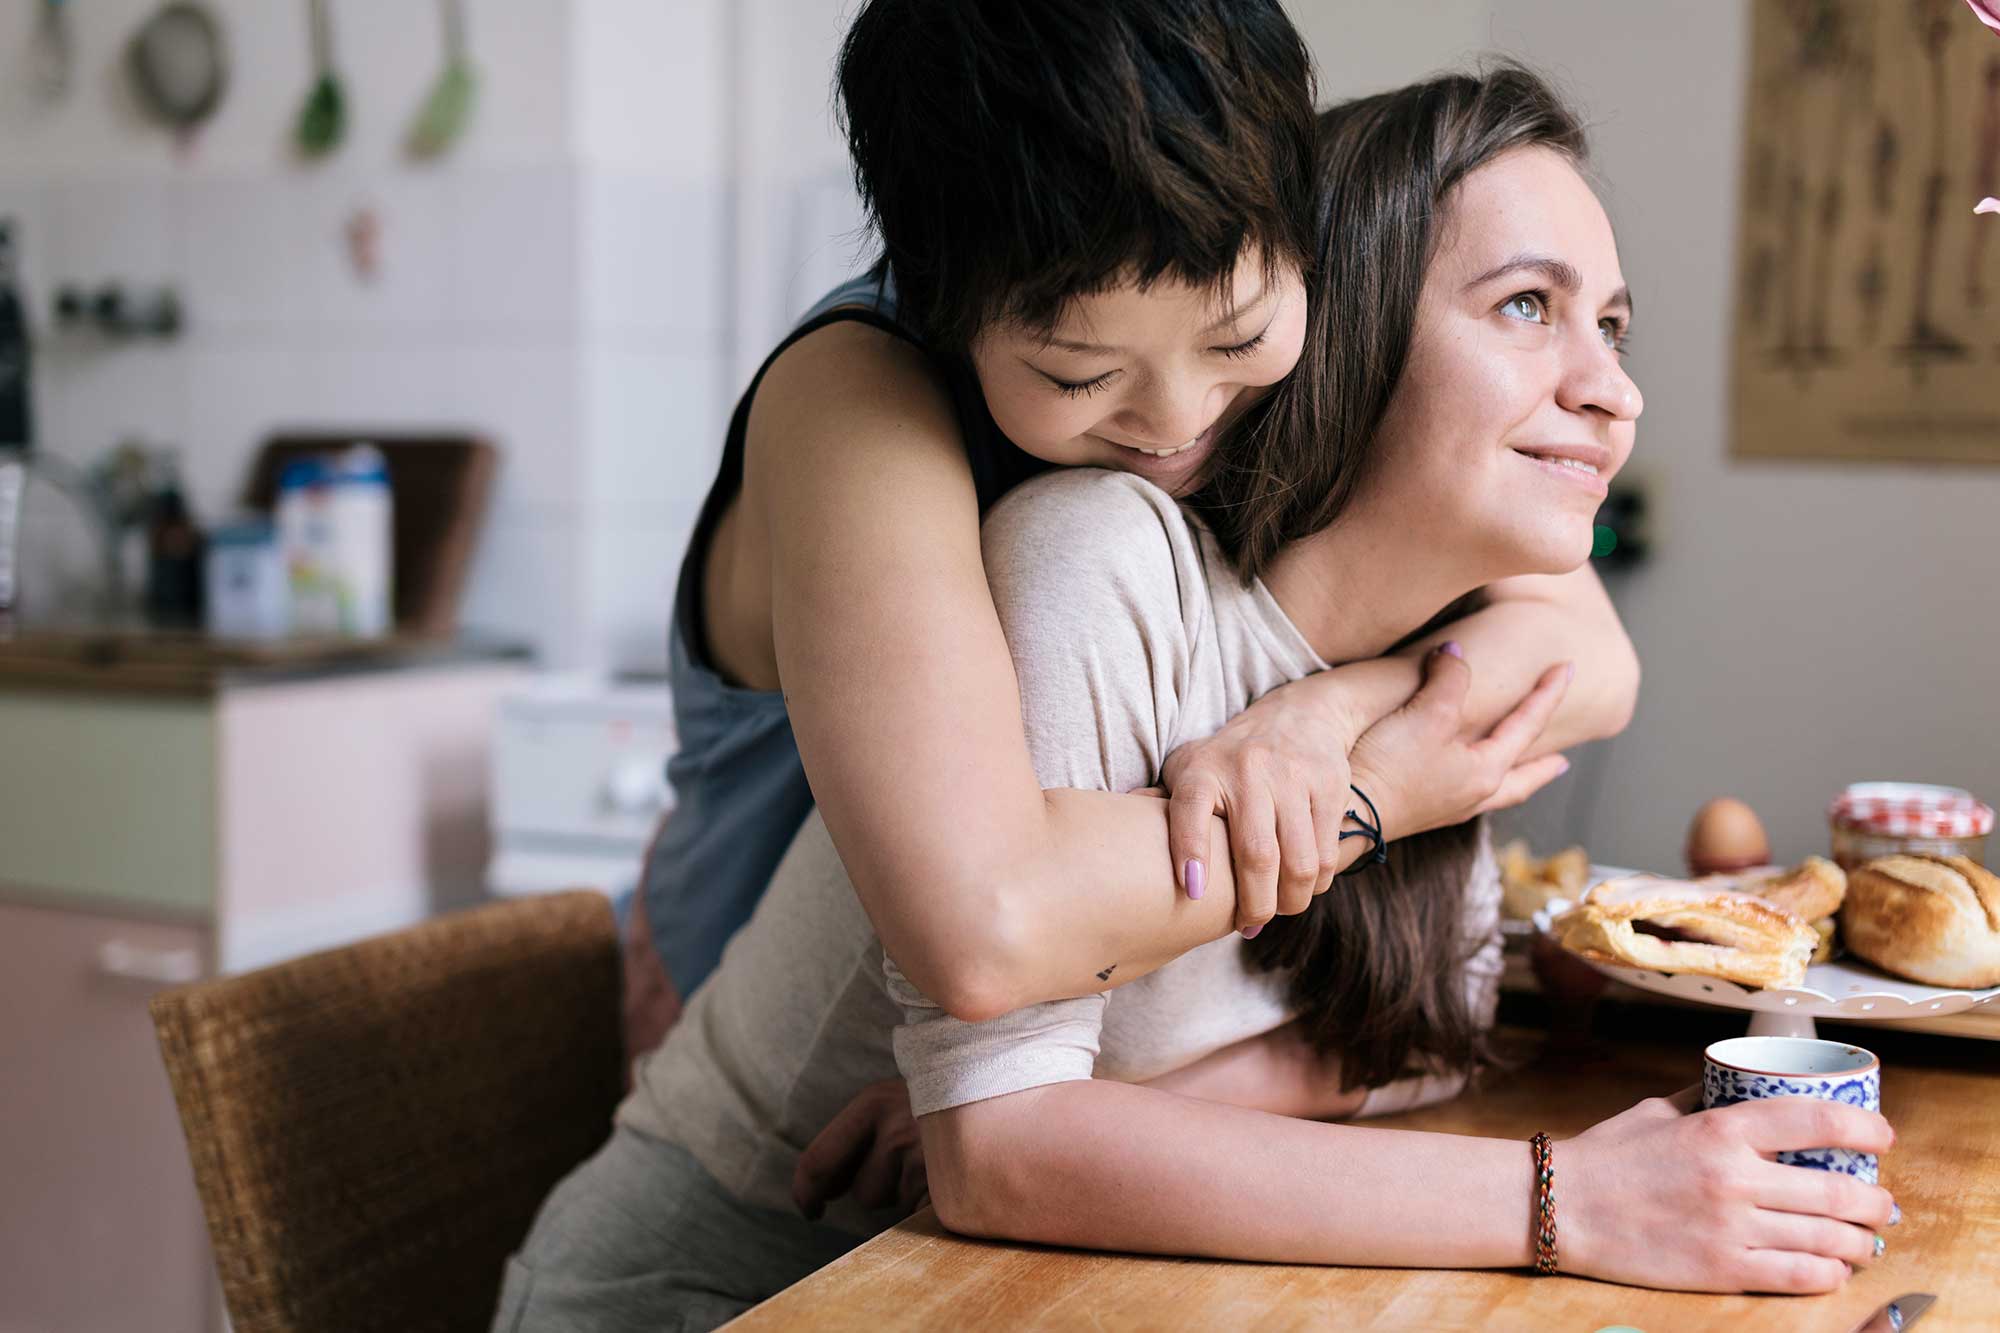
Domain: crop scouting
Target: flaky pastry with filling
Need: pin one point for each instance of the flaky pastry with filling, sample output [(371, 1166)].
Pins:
[(1670, 925)]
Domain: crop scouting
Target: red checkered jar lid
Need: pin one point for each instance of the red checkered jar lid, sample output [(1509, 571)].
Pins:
[(1911, 810)]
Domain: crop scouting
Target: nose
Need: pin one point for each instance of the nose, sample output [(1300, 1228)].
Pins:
[(1170, 410), (1594, 382)]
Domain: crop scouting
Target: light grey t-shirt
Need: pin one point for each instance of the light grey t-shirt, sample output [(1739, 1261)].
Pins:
[(1130, 635)]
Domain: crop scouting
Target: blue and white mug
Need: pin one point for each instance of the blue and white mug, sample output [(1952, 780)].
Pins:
[(1747, 1069)]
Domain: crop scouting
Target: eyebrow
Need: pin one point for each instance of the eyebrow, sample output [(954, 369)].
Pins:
[(1561, 273), (1099, 349)]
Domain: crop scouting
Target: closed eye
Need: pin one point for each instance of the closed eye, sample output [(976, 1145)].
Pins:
[(1082, 388), (1243, 349)]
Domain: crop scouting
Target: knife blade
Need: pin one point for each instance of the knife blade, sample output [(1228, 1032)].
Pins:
[(1898, 1314)]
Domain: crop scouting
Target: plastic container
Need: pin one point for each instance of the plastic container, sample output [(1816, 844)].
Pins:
[(304, 515), (335, 533), (1875, 819), (363, 536), (247, 593)]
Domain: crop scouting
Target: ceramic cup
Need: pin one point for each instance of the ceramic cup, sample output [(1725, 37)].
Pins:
[(1745, 1069)]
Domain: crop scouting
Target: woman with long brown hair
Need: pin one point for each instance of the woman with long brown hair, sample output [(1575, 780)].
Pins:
[(1460, 406)]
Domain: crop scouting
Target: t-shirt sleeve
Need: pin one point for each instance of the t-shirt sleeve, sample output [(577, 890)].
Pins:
[(1097, 581)]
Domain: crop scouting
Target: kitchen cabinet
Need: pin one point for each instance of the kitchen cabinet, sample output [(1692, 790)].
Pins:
[(150, 838)]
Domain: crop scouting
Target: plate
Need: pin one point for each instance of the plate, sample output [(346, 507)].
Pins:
[(1847, 988)]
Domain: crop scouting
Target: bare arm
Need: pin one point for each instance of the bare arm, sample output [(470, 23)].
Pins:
[(1277, 1071), (1652, 1197), (1529, 624), (1287, 740), (903, 699)]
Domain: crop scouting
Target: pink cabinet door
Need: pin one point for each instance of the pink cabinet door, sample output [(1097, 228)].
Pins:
[(99, 1224)]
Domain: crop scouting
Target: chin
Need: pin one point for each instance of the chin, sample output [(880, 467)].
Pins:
[(1560, 549)]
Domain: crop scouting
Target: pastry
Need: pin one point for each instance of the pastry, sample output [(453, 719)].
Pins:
[(1682, 926), (1809, 890), (1934, 919), (1527, 885)]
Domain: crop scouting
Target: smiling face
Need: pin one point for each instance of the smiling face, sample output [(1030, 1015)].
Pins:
[(1514, 410), (1141, 380)]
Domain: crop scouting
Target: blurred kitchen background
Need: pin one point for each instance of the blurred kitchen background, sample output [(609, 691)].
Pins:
[(530, 267)]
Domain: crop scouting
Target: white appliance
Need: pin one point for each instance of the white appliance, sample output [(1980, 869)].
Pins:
[(579, 784)]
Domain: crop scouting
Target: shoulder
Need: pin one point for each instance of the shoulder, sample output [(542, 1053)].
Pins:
[(1092, 552), (1096, 523), (852, 385)]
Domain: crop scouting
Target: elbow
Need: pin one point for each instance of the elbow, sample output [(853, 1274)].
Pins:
[(977, 1182), (976, 967)]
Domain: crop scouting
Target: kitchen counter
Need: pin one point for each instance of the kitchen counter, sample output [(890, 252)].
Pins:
[(1943, 1096), (187, 664)]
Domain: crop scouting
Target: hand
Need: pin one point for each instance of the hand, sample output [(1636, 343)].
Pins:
[(1278, 773), (871, 1149), (1664, 1196), (1422, 774)]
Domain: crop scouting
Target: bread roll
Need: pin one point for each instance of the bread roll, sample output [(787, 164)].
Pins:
[(1934, 919)]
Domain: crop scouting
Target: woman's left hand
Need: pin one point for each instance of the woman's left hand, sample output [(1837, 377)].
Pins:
[(1277, 772), (872, 1150)]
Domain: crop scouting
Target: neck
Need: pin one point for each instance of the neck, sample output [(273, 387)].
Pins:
[(1358, 588)]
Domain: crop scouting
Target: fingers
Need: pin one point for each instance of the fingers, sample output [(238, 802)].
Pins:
[(1190, 817), (1513, 734), (1781, 1187), (1790, 1273), (914, 1188), (827, 1168), (1788, 1124), (1327, 817), (1446, 679), (1852, 1245), (1253, 851), (1298, 851), (879, 1181), (1523, 781)]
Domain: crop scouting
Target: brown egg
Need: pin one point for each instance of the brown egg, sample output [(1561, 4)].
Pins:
[(1726, 836)]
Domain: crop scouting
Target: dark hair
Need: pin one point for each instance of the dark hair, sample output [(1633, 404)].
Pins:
[(1017, 154), (1379, 959)]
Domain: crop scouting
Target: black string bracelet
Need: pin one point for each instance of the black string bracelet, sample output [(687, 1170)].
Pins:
[(1372, 832)]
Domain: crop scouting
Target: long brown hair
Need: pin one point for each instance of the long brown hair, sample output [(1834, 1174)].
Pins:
[(1379, 959)]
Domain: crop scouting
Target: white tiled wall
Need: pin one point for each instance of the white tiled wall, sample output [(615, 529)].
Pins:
[(560, 283)]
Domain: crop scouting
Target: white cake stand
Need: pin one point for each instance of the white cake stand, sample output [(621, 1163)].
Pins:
[(1847, 989)]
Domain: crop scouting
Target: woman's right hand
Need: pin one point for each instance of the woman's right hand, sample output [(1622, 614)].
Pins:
[(1663, 1196), (1422, 774)]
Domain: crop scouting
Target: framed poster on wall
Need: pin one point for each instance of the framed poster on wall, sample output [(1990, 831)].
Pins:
[(1868, 293)]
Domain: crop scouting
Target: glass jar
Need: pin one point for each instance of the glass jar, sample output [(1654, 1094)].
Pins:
[(1873, 819)]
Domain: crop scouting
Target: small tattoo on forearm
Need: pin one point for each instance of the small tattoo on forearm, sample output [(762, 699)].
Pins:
[(1105, 975)]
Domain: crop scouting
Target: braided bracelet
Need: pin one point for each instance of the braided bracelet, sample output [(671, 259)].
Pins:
[(1545, 1205), (1373, 832)]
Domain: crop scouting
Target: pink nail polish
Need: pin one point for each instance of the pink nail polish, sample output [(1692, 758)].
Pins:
[(1450, 647), (1251, 933), (1194, 876)]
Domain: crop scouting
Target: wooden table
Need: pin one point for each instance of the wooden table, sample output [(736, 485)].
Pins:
[(1942, 1094)]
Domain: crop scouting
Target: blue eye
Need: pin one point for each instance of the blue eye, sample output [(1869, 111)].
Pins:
[(1530, 307), (1616, 335)]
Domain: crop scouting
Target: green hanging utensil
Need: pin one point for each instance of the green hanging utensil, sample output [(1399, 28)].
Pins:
[(323, 119), (448, 108)]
